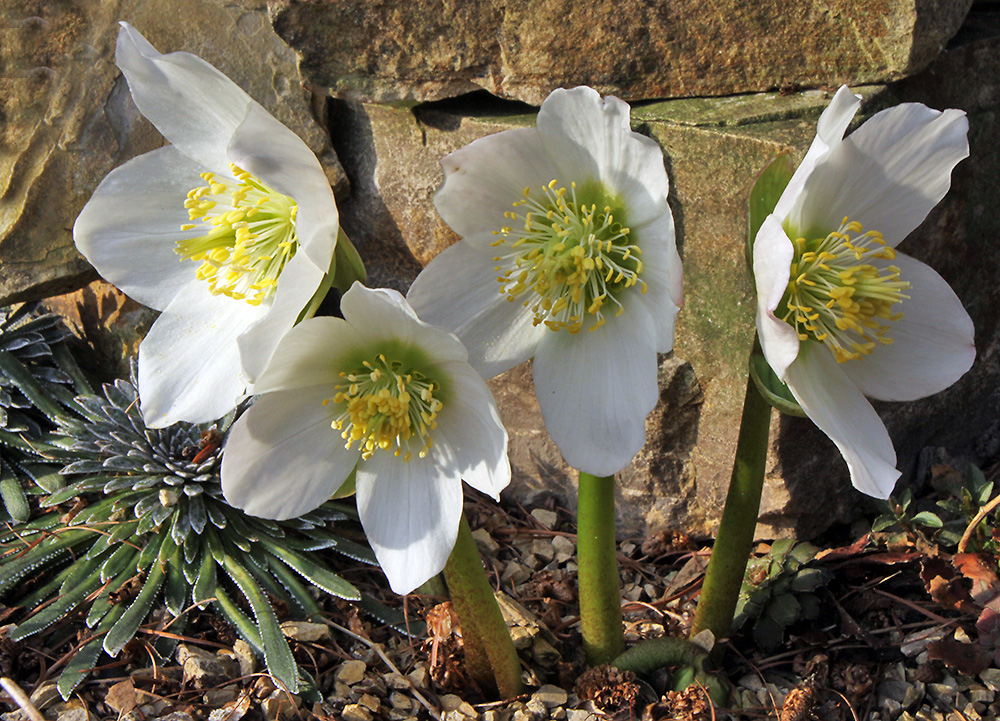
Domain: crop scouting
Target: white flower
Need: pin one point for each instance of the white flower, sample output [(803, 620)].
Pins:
[(571, 218), (228, 231), (840, 313), (416, 418)]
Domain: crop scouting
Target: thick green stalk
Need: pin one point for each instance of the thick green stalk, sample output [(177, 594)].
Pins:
[(724, 577), (490, 655), (600, 594)]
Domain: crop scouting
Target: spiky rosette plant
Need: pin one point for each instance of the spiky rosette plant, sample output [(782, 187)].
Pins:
[(149, 525), (31, 381)]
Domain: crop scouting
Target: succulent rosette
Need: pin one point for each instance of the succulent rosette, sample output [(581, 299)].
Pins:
[(384, 393), (567, 255), (228, 231), (841, 313)]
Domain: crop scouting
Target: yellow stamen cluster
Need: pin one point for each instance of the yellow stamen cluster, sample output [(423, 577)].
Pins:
[(251, 235), (385, 406), (836, 296), (574, 257)]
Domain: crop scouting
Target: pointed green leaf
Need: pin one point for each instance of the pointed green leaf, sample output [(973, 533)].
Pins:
[(883, 522), (764, 195), (299, 593), (205, 585), (313, 572), (243, 625), (78, 668), (125, 629), (175, 593), (13, 497), (53, 612), (928, 519), (277, 654)]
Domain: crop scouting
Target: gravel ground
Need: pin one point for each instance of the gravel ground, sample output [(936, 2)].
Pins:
[(874, 652)]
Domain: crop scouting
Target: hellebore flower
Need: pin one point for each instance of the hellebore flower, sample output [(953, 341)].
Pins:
[(571, 218), (415, 416), (229, 231), (841, 314)]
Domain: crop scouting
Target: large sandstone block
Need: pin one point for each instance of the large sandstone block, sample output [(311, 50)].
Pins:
[(415, 50), (713, 149), (68, 118)]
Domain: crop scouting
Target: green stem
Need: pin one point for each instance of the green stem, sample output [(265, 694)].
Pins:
[(724, 577), (600, 595), (490, 656)]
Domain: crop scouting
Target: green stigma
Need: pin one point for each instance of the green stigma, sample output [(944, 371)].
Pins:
[(837, 297), (250, 235), (571, 257)]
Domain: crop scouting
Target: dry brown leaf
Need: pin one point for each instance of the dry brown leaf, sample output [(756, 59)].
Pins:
[(965, 657), (943, 583), (122, 697)]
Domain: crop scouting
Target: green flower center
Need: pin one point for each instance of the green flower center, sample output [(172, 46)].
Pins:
[(386, 404), (250, 235), (836, 297), (574, 257)]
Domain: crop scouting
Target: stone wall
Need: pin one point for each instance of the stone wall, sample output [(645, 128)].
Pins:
[(722, 87)]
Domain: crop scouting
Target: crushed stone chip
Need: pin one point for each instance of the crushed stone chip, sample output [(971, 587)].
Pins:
[(356, 712), (351, 672)]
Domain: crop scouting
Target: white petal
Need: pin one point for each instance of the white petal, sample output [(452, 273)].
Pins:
[(772, 262), (596, 388), (484, 179), (282, 458), (458, 290), (829, 132), (129, 228), (267, 149), (192, 104), (836, 405), (410, 513), (933, 343), (662, 273), (888, 174), (189, 365), (297, 284), (379, 314), (590, 138), (306, 355), (470, 426)]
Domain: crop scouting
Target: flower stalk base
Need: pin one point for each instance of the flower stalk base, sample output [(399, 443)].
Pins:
[(600, 594), (724, 577), (490, 656)]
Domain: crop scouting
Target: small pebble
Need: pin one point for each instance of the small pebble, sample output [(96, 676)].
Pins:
[(535, 707), (400, 701), (419, 677), (991, 677), (579, 714), (485, 541), (550, 696), (546, 518), (351, 672), (543, 548), (355, 712), (397, 681), (369, 702), (278, 707), (564, 548), (305, 631)]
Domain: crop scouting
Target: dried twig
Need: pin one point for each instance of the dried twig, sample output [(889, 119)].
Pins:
[(21, 699), (971, 528)]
